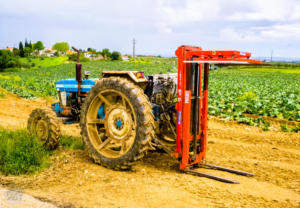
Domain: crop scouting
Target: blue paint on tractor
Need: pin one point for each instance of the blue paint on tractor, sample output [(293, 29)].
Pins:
[(101, 112), (71, 85), (57, 108), (70, 122), (119, 123), (155, 111)]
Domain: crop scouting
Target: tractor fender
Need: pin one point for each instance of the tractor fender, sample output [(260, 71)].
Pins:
[(136, 77)]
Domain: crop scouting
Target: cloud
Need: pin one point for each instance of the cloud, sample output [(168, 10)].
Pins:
[(191, 11), (280, 31), (277, 32), (159, 26), (274, 10), (233, 35)]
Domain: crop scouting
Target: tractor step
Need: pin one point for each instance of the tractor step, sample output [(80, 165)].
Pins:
[(218, 178)]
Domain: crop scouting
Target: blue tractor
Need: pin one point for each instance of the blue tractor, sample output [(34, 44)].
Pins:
[(116, 117)]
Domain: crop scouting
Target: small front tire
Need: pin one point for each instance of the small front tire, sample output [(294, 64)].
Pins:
[(44, 124)]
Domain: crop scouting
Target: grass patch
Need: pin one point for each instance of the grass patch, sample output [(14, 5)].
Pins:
[(70, 142), (21, 153), (39, 62)]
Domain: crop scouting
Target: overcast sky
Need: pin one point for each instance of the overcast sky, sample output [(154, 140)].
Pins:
[(159, 26)]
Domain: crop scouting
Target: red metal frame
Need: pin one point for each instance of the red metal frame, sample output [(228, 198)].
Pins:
[(186, 56)]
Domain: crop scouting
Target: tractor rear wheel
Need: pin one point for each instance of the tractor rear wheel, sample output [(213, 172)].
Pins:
[(124, 135), (44, 124)]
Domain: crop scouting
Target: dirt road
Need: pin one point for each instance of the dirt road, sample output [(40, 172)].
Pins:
[(17, 199), (73, 180)]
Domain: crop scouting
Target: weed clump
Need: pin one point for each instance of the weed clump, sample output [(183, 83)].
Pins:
[(21, 153), (70, 142)]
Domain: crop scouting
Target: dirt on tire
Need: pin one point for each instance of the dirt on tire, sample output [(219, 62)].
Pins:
[(145, 123), (51, 128), (74, 180)]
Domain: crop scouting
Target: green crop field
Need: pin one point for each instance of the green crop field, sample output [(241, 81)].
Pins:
[(287, 70), (274, 94), (233, 91), (41, 82)]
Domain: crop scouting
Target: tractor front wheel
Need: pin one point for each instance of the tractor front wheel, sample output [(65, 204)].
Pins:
[(123, 132), (44, 124)]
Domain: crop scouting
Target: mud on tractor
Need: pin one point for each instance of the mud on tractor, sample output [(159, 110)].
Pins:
[(123, 114)]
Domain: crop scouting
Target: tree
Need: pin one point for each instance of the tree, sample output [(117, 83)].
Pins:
[(30, 45), (61, 46), (91, 50), (56, 53), (39, 46), (16, 52), (27, 51), (21, 48), (26, 43), (116, 56), (105, 53), (7, 59)]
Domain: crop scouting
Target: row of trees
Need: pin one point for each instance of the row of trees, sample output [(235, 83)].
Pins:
[(28, 48), (10, 59), (107, 55)]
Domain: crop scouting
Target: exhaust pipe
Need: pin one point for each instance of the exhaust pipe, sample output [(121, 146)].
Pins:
[(78, 72), (78, 66)]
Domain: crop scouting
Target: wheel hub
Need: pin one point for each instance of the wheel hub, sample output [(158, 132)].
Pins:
[(42, 129), (118, 123)]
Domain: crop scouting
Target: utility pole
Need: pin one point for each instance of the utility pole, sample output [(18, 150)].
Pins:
[(133, 52), (272, 55)]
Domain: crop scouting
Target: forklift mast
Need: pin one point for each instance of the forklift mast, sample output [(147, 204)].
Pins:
[(192, 99)]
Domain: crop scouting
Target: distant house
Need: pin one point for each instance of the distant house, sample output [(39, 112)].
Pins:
[(48, 52), (10, 49), (96, 57), (125, 58), (87, 54), (92, 56)]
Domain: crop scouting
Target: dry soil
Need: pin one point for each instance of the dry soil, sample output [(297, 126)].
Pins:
[(73, 180)]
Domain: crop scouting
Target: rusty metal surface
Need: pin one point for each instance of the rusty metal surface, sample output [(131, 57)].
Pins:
[(131, 74)]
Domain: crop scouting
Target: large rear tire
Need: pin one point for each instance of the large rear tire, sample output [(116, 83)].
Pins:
[(44, 124), (124, 135)]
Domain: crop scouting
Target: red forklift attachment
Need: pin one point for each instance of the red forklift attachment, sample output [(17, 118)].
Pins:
[(192, 105), (218, 178)]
